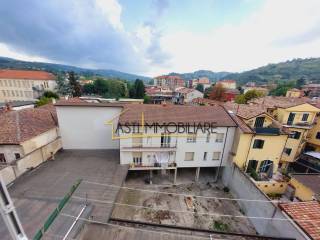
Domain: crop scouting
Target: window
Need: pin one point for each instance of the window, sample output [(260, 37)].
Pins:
[(165, 140), (305, 117), (137, 158), (189, 156), (252, 165), (295, 135), (220, 137), (2, 158), (192, 138), (258, 143), (259, 122), (287, 151), (291, 118), (208, 137), (17, 155), (318, 135), (4, 93), (205, 156), (265, 166), (216, 156)]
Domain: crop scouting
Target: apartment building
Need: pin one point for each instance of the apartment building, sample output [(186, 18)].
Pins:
[(172, 82), (297, 115), (186, 95), (170, 137), (228, 83), (28, 137), (24, 85), (259, 141)]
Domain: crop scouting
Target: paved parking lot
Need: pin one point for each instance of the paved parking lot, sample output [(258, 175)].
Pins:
[(37, 193)]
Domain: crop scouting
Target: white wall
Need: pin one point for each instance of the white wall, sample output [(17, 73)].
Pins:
[(85, 128), (182, 146), (192, 95)]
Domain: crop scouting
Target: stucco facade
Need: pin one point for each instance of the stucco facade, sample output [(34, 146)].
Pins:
[(207, 150), (86, 128)]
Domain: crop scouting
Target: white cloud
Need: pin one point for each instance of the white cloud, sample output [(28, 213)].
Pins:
[(112, 11), (278, 31)]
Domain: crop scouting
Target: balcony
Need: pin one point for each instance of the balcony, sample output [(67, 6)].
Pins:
[(140, 147), (153, 166), (267, 130)]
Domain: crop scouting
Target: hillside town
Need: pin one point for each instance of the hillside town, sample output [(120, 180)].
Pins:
[(172, 158)]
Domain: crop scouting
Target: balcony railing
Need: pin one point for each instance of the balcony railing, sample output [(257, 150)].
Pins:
[(268, 131)]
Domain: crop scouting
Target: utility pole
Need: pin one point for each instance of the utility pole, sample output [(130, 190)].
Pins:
[(9, 214)]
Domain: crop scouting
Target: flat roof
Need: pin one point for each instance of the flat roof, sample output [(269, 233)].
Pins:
[(311, 181)]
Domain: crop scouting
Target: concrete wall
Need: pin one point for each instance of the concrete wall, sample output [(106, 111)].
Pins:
[(40, 140), (10, 150), (85, 128), (242, 187), (7, 174), (29, 161)]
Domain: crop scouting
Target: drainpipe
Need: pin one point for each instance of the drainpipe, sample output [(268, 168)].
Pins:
[(245, 164), (224, 145)]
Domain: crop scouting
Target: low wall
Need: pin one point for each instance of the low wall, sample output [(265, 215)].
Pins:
[(268, 214), (7, 174), (29, 161), (272, 187)]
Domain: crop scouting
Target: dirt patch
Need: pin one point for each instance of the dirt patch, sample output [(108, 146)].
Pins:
[(190, 205)]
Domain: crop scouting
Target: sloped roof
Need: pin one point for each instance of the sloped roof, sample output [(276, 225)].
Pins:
[(26, 74), (19, 126), (282, 102), (311, 181), (245, 111), (162, 114), (306, 215)]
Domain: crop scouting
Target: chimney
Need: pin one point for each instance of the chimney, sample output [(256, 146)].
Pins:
[(8, 107)]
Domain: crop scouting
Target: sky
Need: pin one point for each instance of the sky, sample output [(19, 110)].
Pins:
[(153, 37)]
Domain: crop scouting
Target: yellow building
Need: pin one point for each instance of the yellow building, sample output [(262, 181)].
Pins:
[(259, 140), (297, 116), (306, 187), (23, 85), (313, 136), (294, 92)]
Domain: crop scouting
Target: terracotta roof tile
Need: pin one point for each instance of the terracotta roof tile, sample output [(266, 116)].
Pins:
[(306, 215), (216, 115), (26, 74), (19, 126), (282, 102)]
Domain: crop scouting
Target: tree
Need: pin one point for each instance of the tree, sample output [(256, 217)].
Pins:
[(50, 94), (43, 101), (200, 87), (100, 86), (74, 84), (137, 89), (146, 99), (300, 82), (251, 94), (63, 87), (88, 88), (207, 91), (217, 92), (281, 89)]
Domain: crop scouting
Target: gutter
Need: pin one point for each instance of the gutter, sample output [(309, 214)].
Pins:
[(224, 145)]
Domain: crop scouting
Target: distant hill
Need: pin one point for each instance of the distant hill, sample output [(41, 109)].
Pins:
[(213, 76), (55, 68), (284, 71)]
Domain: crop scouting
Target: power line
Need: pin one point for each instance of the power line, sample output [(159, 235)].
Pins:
[(133, 228), (189, 212), (181, 194)]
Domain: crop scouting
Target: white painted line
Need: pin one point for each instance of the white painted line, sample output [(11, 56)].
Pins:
[(74, 223)]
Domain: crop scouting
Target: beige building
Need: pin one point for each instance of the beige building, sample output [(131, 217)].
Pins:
[(294, 92), (22, 85), (228, 84), (27, 138)]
